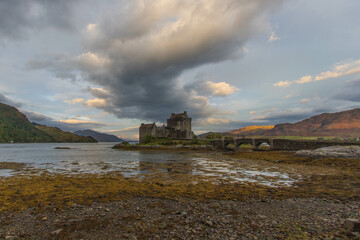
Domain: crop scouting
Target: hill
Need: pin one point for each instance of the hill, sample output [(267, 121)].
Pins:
[(61, 136), (100, 137), (15, 127), (340, 124), (251, 130)]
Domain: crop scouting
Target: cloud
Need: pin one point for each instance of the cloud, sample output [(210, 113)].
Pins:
[(291, 115), (212, 121), (6, 100), (305, 79), (339, 70), (283, 84), (75, 100), (221, 88), (350, 92), (137, 51), (209, 88), (288, 96), (127, 133), (61, 65), (97, 103), (72, 125), (17, 16), (273, 37), (305, 100)]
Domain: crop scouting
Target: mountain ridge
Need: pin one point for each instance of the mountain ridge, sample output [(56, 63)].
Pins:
[(338, 124), (98, 136), (15, 127)]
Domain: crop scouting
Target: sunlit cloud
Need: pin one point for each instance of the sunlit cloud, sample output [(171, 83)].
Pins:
[(273, 37), (213, 121), (339, 70), (305, 100), (97, 103), (305, 79), (75, 100), (221, 88), (283, 84)]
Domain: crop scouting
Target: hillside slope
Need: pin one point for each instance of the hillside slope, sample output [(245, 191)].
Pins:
[(251, 130), (100, 137), (15, 127), (340, 124), (61, 136)]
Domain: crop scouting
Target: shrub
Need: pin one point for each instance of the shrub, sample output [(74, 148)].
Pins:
[(148, 139), (214, 136)]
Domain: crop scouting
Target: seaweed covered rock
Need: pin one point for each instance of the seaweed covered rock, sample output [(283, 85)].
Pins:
[(351, 152)]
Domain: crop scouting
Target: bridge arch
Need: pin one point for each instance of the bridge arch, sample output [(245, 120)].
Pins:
[(229, 144), (265, 144)]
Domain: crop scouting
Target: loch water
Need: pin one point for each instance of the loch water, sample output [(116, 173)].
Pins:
[(100, 158)]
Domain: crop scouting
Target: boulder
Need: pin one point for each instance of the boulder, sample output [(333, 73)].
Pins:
[(352, 225), (350, 152)]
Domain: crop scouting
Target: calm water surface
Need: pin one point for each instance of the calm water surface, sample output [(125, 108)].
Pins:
[(100, 158)]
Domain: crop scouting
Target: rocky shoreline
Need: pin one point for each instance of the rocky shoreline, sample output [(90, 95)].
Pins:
[(171, 204), (345, 152), (154, 218)]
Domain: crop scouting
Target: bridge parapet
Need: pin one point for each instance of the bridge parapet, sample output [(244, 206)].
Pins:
[(280, 144)]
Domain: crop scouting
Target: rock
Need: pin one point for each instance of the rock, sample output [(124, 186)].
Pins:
[(107, 209), (10, 237), (210, 223), (179, 146), (262, 217), (63, 148), (350, 152), (56, 232), (353, 225)]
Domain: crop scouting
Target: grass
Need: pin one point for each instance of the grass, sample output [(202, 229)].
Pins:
[(166, 141)]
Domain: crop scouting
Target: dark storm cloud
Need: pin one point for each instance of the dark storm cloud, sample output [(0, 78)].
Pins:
[(6, 100), (16, 16), (137, 52), (351, 92)]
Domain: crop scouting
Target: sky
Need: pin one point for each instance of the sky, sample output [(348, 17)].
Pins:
[(111, 65)]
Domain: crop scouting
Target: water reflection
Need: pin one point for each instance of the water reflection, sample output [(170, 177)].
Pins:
[(100, 159)]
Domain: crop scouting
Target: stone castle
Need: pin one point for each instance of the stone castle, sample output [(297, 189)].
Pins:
[(178, 127)]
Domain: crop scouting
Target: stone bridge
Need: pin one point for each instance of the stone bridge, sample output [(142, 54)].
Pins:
[(280, 144)]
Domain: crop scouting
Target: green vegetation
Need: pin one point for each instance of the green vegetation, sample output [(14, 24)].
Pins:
[(60, 136), (214, 136), (149, 141), (323, 178), (15, 127)]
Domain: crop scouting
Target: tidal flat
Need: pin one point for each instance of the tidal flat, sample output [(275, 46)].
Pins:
[(213, 195)]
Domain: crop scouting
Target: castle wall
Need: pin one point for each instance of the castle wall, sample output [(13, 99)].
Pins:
[(145, 130), (178, 127)]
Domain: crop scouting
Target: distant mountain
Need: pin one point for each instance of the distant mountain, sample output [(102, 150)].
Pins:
[(100, 137), (340, 124), (61, 136), (251, 130), (15, 127)]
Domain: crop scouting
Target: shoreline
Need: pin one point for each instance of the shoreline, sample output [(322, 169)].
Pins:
[(146, 206), (157, 218)]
